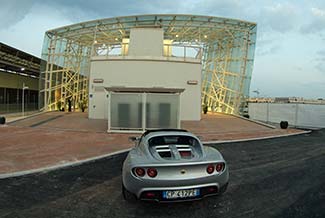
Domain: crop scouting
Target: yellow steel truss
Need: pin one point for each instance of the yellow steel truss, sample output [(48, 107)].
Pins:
[(227, 59)]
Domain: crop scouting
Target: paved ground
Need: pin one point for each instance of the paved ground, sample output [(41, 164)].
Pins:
[(282, 177), (57, 138), (15, 116)]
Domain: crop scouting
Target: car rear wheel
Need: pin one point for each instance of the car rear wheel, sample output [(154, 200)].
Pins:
[(128, 196)]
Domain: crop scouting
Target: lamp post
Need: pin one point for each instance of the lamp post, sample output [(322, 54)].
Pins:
[(23, 99)]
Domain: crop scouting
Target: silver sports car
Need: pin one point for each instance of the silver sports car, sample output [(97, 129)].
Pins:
[(172, 165)]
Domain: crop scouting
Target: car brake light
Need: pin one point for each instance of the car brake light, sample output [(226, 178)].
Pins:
[(212, 189), (220, 167), (140, 171), (152, 172), (210, 169)]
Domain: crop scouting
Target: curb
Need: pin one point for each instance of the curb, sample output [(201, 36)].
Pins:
[(255, 139), (254, 121), (26, 117), (59, 166), (76, 163)]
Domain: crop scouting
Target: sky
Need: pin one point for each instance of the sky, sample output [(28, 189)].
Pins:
[(290, 47)]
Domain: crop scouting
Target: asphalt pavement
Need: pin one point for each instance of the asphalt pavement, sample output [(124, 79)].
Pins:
[(283, 177)]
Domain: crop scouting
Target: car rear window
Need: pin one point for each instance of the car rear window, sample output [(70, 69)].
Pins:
[(175, 140)]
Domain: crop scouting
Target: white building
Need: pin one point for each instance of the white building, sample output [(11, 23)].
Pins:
[(146, 84)]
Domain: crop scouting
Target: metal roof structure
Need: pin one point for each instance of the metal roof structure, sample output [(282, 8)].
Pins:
[(16, 61), (227, 60)]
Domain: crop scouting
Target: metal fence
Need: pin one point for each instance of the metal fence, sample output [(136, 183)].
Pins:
[(17, 108), (300, 115), (11, 100)]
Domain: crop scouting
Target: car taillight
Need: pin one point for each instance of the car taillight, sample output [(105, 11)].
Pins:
[(220, 167), (140, 171), (210, 169), (150, 194), (152, 172)]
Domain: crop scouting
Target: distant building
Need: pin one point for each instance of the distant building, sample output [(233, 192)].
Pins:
[(281, 100), (293, 100), (18, 68)]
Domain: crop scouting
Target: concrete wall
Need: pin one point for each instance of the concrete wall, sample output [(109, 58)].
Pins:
[(302, 115), (146, 72), (146, 42), (14, 81)]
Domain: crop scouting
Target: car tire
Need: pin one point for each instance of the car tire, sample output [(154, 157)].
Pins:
[(128, 196), (223, 189)]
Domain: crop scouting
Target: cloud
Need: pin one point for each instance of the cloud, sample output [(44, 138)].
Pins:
[(228, 8), (319, 61), (298, 68), (11, 12), (279, 17), (318, 12), (80, 10), (262, 51), (321, 52), (282, 55), (320, 66), (28, 33), (317, 23)]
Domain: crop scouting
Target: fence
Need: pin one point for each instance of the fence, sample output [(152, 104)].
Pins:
[(169, 50), (17, 108), (11, 100), (300, 115)]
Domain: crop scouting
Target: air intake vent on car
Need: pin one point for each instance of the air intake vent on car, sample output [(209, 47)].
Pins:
[(163, 151), (185, 151)]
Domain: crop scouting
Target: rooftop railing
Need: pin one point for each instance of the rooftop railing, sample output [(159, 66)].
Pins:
[(169, 50)]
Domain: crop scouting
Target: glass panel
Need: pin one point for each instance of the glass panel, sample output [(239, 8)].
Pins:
[(125, 111), (162, 111)]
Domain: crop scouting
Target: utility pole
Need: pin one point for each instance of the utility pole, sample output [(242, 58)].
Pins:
[(23, 99)]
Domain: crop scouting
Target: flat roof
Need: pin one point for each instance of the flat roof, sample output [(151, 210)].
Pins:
[(142, 89)]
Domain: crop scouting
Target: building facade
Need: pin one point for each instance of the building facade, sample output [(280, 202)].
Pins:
[(18, 70), (145, 87), (85, 56)]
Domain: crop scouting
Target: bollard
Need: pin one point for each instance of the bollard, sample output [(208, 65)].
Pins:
[(2, 120), (284, 124)]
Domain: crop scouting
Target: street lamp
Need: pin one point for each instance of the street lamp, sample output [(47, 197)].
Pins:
[(23, 99)]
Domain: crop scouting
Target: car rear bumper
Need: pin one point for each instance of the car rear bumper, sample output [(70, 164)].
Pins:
[(139, 187), (157, 194)]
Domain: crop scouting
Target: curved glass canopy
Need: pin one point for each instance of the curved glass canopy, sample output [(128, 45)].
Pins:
[(226, 45)]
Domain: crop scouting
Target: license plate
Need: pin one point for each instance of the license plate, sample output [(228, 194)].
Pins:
[(188, 193)]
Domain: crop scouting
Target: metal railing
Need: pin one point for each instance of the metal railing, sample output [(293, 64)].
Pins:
[(169, 50), (182, 51), (17, 108)]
